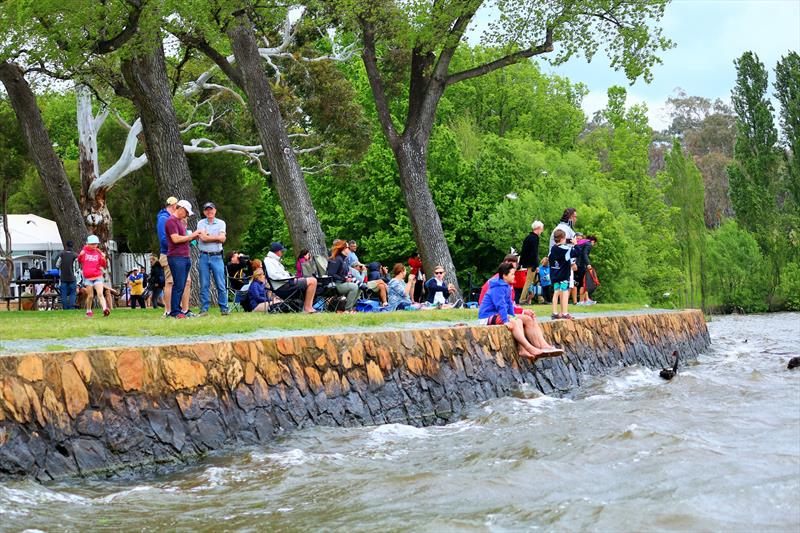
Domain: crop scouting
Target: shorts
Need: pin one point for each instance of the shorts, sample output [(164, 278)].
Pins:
[(580, 277), (561, 286), (162, 260), (494, 320), (373, 285), (93, 281)]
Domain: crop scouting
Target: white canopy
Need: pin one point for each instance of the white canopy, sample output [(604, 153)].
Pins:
[(33, 233)]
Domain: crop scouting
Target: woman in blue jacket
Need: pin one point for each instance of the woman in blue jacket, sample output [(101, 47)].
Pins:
[(257, 292), (497, 307)]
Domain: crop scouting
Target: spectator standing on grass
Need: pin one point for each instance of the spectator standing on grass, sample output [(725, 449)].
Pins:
[(65, 263), (529, 258), (163, 240), (136, 283), (415, 264), (178, 257), (155, 282), (544, 280), (212, 237), (562, 264), (93, 261), (582, 250), (566, 224)]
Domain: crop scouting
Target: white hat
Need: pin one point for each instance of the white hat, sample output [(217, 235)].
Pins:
[(186, 205), (93, 239)]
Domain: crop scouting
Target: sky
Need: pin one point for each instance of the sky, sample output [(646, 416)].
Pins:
[(709, 35)]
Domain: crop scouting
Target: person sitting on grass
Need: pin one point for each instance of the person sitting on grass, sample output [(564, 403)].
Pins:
[(257, 300), (497, 308), (400, 290), (561, 265), (377, 286), (438, 292)]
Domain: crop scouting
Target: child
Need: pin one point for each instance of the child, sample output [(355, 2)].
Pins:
[(92, 261), (136, 283), (544, 280), (561, 264)]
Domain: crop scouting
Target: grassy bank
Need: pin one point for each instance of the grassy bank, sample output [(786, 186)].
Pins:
[(15, 325)]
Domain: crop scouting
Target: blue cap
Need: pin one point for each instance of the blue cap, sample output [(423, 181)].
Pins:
[(93, 239), (276, 247)]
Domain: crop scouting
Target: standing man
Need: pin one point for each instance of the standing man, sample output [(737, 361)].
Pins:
[(65, 263), (161, 221), (211, 262), (529, 258), (178, 257)]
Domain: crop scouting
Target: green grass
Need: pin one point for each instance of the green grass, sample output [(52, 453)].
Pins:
[(15, 325)]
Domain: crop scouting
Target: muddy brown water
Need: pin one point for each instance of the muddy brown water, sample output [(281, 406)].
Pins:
[(716, 449)]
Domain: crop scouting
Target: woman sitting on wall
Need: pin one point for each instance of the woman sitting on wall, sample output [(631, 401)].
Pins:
[(497, 307)]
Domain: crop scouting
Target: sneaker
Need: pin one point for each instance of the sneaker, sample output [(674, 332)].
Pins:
[(555, 316), (188, 314), (567, 316), (590, 302), (106, 311), (459, 304), (224, 312), (89, 314), (180, 315), (203, 313), (582, 303)]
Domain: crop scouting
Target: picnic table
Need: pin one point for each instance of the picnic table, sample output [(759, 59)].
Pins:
[(46, 297)]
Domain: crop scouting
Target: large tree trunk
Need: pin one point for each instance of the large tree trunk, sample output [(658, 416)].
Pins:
[(5, 250), (146, 76), (93, 203), (51, 169), (427, 226), (287, 176)]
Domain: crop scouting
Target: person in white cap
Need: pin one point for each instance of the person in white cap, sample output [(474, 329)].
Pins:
[(161, 221), (178, 257), (92, 261)]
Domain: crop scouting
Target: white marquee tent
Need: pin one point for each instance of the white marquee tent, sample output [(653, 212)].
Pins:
[(35, 241)]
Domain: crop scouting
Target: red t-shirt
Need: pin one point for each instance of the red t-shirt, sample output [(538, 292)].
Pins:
[(175, 225), (92, 262)]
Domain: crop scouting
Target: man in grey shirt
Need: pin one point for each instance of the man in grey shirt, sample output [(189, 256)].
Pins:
[(65, 263), (211, 261)]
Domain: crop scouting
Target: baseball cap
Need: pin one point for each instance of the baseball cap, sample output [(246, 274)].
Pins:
[(172, 200), (93, 239), (209, 205), (276, 247), (186, 205)]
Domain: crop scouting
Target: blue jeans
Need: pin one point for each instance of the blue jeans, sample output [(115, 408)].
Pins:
[(180, 267), (69, 292), (212, 265)]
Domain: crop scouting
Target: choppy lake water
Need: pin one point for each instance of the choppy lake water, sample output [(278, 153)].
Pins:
[(716, 449)]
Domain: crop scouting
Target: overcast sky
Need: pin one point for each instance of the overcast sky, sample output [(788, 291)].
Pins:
[(709, 35)]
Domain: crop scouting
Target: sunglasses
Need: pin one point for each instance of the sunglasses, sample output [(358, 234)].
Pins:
[(439, 272)]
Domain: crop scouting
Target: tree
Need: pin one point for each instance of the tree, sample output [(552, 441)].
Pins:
[(753, 176), (51, 170), (787, 91), (684, 191), (13, 165), (420, 39)]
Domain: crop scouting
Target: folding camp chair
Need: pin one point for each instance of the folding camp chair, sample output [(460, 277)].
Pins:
[(236, 296), (327, 296), (291, 298)]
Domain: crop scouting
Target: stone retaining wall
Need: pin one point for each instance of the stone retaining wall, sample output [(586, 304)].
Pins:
[(111, 410)]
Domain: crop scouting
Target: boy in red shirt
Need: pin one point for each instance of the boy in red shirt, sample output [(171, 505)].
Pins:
[(93, 261)]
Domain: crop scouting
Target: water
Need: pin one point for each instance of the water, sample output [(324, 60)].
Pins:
[(718, 448)]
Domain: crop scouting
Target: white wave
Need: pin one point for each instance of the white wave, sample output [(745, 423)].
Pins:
[(634, 378), (389, 433), (111, 497)]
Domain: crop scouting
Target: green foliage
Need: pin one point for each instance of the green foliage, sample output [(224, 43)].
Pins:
[(738, 275), (787, 90), (789, 287), (684, 191)]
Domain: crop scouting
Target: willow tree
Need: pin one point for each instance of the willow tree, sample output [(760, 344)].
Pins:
[(684, 192), (408, 48)]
